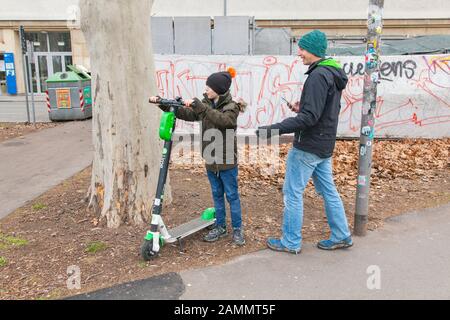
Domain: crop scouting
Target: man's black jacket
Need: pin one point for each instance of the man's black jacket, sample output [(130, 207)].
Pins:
[(315, 125)]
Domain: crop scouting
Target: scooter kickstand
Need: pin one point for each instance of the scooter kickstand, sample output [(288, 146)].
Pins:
[(180, 244)]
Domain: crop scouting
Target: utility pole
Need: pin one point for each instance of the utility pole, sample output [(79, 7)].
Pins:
[(23, 45), (30, 49), (369, 105)]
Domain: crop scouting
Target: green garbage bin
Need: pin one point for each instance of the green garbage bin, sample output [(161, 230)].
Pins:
[(69, 95)]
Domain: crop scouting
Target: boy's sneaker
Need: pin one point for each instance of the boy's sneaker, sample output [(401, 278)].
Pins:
[(275, 244), (330, 245), (215, 234), (238, 237)]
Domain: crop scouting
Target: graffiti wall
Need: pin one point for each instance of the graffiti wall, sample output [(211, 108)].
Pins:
[(413, 93)]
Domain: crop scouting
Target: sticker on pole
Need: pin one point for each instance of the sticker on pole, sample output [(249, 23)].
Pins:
[(362, 181), (63, 99)]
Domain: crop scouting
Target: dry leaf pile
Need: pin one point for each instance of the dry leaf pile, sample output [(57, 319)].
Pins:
[(9, 130), (409, 159)]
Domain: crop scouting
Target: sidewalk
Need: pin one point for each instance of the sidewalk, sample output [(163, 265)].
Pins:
[(39, 97), (39, 161), (410, 251)]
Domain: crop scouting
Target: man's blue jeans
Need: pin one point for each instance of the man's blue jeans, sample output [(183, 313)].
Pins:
[(300, 167), (226, 182)]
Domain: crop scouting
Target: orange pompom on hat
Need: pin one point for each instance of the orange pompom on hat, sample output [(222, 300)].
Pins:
[(220, 82), (232, 72)]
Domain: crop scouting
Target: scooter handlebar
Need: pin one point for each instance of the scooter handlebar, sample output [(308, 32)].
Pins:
[(177, 102)]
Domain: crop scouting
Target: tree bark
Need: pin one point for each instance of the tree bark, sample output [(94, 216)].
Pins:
[(125, 126)]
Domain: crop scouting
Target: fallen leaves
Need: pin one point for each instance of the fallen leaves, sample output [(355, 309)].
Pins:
[(9, 130), (406, 158)]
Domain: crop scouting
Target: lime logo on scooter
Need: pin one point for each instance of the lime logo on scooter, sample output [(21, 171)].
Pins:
[(164, 154)]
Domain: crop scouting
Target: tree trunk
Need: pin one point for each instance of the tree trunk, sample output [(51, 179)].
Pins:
[(125, 126)]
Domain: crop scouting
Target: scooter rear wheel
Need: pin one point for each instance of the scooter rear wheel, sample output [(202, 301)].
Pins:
[(147, 252)]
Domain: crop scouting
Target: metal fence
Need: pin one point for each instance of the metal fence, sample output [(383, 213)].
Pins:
[(224, 35)]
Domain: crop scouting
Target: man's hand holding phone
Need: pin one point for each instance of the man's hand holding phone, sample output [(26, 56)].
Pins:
[(293, 107)]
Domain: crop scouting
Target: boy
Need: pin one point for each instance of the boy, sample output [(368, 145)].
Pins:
[(218, 114)]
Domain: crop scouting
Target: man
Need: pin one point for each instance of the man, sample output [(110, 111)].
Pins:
[(315, 128)]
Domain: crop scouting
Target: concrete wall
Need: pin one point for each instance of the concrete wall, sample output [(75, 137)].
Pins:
[(295, 9), (261, 9), (414, 93), (36, 9), (80, 53)]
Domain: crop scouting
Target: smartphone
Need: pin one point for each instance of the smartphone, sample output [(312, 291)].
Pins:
[(287, 102)]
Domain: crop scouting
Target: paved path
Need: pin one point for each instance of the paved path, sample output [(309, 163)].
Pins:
[(31, 165), (410, 254), (164, 287)]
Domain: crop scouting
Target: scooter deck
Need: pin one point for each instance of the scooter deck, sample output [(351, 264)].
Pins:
[(188, 228)]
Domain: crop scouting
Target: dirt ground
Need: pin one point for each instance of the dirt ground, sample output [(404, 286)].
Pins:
[(10, 130), (39, 241)]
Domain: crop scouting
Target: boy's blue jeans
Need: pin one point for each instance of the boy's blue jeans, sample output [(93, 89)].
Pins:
[(226, 182), (300, 167)]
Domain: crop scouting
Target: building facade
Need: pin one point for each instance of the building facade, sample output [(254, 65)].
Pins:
[(52, 26)]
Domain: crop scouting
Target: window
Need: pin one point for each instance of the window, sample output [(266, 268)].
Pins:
[(50, 41), (2, 63), (68, 60), (2, 75), (57, 64), (60, 41), (39, 40)]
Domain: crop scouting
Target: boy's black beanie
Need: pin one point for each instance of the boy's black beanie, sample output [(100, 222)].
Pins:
[(220, 82)]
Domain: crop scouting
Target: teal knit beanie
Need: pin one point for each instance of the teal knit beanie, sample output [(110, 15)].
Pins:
[(314, 42)]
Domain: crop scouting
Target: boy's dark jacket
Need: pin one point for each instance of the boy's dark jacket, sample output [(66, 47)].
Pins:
[(315, 125), (222, 117)]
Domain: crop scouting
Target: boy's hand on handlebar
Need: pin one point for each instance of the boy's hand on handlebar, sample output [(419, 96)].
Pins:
[(154, 99), (188, 103)]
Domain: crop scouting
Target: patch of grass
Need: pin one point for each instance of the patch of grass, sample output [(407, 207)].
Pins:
[(142, 264), (10, 241), (3, 262), (95, 247), (39, 206)]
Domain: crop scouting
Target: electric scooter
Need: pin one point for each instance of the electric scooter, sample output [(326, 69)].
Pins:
[(158, 234)]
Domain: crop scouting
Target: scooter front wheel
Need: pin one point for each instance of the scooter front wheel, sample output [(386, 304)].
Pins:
[(147, 252)]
